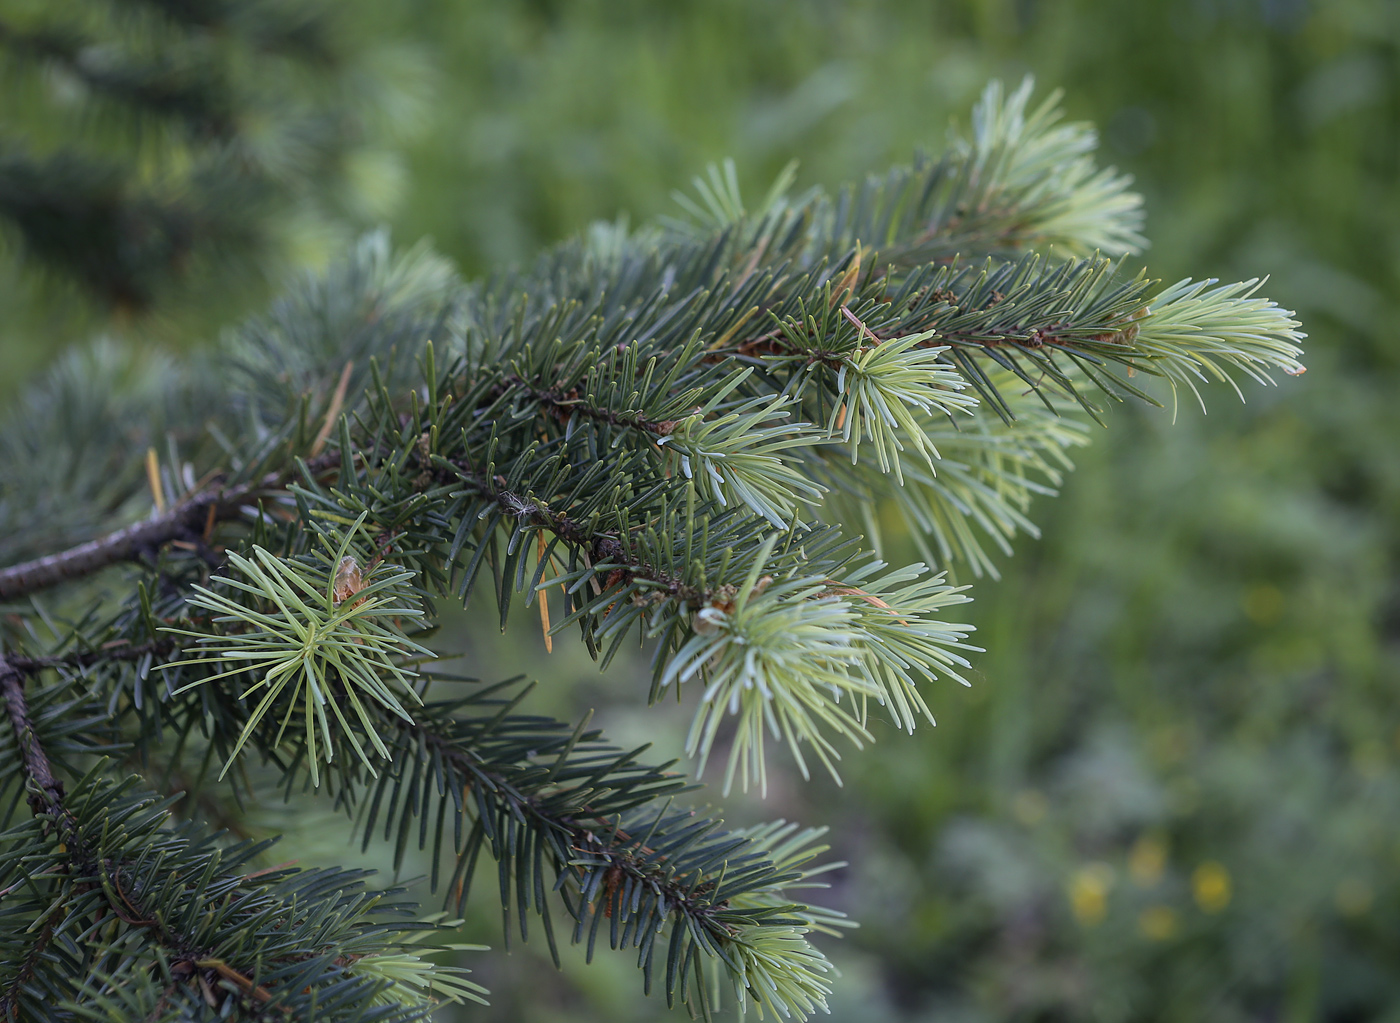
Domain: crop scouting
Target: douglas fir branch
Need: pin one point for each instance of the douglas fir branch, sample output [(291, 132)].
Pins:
[(664, 435)]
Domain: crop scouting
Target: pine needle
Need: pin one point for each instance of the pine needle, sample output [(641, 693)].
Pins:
[(153, 478), (544, 607), (337, 402)]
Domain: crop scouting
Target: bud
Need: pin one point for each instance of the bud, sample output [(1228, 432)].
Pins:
[(348, 581), (707, 621)]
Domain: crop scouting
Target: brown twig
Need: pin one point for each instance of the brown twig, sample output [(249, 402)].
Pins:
[(46, 797), (188, 520), (47, 794), (337, 402), (570, 404), (9, 1002), (118, 650), (598, 546)]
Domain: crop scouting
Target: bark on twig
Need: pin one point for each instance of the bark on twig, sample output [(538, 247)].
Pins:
[(186, 521), (47, 794)]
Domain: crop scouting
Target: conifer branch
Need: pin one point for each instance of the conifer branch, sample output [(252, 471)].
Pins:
[(606, 829), (88, 870), (654, 424), (545, 799), (111, 857)]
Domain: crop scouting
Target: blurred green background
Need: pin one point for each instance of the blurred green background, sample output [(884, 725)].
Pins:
[(1174, 791)]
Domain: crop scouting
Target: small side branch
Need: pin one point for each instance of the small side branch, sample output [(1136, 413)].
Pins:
[(602, 546), (47, 794), (563, 406), (184, 522), (187, 521), (46, 799), (624, 853), (119, 650)]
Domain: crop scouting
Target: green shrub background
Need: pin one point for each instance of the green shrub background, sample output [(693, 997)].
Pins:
[(1172, 793)]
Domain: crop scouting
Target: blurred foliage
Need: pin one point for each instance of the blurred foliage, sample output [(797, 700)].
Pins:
[(163, 163), (1170, 794)]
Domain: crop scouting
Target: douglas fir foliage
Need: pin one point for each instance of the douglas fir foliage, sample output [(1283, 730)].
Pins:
[(659, 435)]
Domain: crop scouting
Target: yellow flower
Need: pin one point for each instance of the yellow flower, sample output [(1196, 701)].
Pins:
[(1210, 884), (1263, 604), (1157, 922), (1354, 897), (1147, 860), (1088, 892)]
